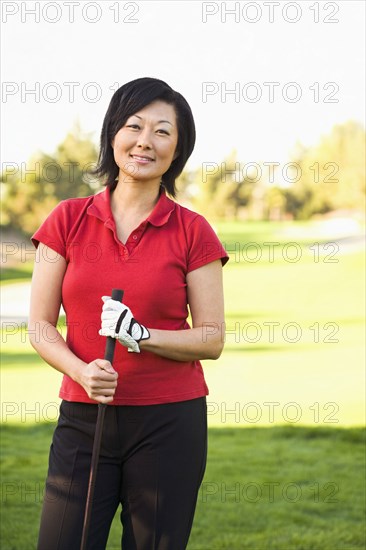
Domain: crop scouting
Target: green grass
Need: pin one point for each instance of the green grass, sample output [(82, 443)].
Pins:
[(18, 274), (280, 488)]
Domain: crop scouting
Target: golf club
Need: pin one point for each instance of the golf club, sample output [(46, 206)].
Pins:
[(109, 352)]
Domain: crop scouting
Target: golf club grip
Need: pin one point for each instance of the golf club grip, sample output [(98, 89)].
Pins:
[(117, 294)]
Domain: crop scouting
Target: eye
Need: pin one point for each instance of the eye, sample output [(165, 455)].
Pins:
[(133, 126), (163, 131)]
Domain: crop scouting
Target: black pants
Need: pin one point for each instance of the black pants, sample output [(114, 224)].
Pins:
[(152, 461)]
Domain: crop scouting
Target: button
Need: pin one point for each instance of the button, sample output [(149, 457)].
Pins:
[(134, 237)]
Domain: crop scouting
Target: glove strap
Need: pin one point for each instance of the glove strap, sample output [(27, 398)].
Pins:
[(145, 334), (119, 322)]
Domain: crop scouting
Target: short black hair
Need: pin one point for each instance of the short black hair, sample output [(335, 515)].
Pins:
[(126, 101)]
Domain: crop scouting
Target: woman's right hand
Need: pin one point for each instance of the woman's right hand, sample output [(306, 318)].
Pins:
[(99, 380)]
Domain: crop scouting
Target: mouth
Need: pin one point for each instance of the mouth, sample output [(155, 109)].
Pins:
[(142, 159)]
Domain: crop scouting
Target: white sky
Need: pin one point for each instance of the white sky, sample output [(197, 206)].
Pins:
[(170, 41)]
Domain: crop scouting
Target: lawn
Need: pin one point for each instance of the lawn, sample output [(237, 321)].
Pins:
[(281, 488), (12, 275), (292, 374)]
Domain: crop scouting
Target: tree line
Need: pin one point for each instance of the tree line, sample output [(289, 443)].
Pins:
[(326, 177)]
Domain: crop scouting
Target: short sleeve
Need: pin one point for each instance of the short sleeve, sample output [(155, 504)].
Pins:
[(54, 230), (204, 245)]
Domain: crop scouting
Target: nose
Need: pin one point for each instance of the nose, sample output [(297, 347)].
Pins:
[(144, 139)]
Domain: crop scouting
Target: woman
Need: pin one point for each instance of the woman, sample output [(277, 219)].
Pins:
[(165, 257)]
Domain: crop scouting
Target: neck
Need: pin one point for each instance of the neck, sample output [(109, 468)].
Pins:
[(134, 199)]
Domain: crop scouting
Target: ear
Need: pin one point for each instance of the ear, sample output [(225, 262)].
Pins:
[(176, 154)]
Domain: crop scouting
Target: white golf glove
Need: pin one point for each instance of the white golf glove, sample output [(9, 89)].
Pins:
[(118, 322)]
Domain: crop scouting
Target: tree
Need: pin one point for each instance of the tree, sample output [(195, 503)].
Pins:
[(224, 189), (32, 190), (332, 173)]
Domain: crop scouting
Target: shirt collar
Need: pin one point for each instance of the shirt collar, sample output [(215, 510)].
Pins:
[(101, 207)]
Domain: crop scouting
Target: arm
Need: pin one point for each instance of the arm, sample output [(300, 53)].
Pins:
[(206, 303), (98, 378)]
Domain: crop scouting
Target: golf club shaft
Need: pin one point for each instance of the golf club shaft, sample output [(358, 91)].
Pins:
[(108, 355)]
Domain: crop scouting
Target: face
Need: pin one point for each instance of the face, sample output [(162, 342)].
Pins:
[(145, 146)]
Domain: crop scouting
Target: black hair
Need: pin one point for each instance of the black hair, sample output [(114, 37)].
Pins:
[(131, 98)]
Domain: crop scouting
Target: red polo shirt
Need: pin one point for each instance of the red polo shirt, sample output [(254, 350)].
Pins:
[(151, 268)]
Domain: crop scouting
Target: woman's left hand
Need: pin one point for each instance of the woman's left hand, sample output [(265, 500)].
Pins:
[(118, 322)]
